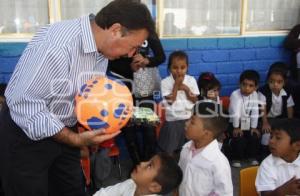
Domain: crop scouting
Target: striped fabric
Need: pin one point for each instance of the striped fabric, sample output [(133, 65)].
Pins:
[(55, 64)]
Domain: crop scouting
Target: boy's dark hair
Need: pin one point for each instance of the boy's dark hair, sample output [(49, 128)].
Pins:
[(278, 68), (250, 75), (211, 119), (207, 81), (130, 14), (177, 54), (169, 175), (290, 126), (2, 88)]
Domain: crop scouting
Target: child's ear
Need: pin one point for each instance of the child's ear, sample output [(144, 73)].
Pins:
[(154, 187), (297, 145)]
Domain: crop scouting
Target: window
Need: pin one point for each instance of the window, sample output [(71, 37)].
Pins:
[(19, 16), (174, 18), (75, 8), (201, 17), (270, 15)]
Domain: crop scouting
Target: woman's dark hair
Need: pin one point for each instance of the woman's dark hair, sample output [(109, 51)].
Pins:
[(177, 55), (130, 14), (207, 81)]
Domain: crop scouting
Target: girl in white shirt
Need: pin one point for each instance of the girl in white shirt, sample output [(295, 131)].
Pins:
[(180, 92), (276, 100)]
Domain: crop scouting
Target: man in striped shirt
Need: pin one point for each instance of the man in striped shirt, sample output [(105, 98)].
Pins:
[(39, 150)]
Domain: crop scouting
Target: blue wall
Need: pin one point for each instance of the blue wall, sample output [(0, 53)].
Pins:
[(226, 57)]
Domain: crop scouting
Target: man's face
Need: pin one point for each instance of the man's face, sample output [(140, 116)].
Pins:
[(122, 43), (145, 172)]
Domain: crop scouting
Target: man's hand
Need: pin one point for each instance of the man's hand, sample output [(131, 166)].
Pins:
[(85, 138), (95, 137)]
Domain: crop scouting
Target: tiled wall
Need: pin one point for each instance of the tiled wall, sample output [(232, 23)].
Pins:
[(226, 57)]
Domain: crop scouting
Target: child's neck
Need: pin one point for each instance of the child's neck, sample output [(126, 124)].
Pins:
[(140, 192), (291, 157), (201, 144)]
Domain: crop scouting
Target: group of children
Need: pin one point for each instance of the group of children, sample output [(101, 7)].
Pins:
[(196, 124)]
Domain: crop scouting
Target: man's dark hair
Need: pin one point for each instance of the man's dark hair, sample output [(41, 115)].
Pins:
[(278, 68), (169, 175), (130, 14), (250, 75), (211, 118), (177, 55), (290, 126)]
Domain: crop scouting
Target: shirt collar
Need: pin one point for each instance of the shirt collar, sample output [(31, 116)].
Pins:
[(281, 93), (133, 184), (88, 41), (279, 161), (208, 152)]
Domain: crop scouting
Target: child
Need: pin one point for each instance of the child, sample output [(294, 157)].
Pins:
[(277, 101), (209, 87), (180, 92), (206, 170), (160, 175), (279, 173), (243, 111)]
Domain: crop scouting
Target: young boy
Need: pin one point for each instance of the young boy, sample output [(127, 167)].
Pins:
[(279, 173), (244, 114), (206, 170), (160, 175)]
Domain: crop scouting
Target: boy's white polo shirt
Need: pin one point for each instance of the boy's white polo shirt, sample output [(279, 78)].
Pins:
[(274, 172), (206, 173)]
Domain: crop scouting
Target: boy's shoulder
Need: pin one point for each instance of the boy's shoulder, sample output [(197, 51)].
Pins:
[(210, 152)]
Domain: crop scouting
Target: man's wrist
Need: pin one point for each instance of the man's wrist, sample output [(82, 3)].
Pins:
[(69, 137)]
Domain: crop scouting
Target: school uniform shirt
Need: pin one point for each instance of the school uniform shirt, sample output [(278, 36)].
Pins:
[(274, 172), (276, 108), (181, 109), (206, 171), (243, 107), (126, 188)]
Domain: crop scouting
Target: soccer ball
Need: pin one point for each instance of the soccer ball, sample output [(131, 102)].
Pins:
[(104, 103)]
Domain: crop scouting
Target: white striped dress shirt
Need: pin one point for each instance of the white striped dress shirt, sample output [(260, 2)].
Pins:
[(55, 64)]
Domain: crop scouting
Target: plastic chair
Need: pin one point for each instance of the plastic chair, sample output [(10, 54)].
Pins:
[(247, 181)]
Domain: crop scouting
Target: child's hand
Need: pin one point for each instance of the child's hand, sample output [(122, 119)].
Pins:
[(237, 132), (291, 187), (254, 130), (184, 87), (266, 128), (179, 80)]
